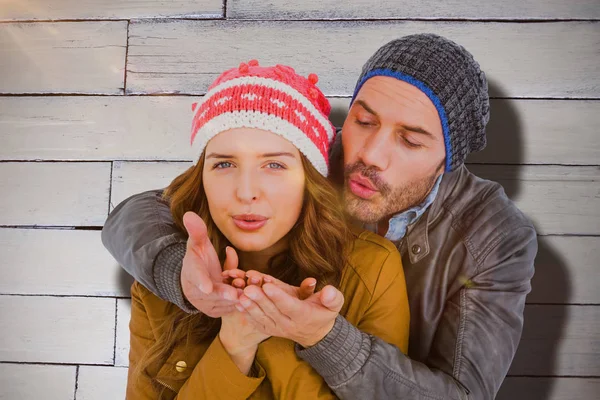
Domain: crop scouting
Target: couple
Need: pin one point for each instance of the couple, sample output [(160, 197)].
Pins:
[(304, 307)]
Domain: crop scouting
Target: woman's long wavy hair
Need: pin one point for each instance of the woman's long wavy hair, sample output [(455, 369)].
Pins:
[(318, 246)]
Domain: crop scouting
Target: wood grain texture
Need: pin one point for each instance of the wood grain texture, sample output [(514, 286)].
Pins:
[(559, 340), (566, 268), (529, 131), (95, 128), (70, 57), (32, 382), (57, 329), (101, 383), (131, 178), (55, 194), (12, 10), (521, 60), (426, 9), (517, 388), (58, 262), (558, 199), (123, 336), (157, 128)]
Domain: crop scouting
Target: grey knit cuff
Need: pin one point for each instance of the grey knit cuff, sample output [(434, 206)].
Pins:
[(340, 354), (167, 276)]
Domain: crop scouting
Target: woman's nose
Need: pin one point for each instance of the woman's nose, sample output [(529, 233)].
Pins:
[(247, 188)]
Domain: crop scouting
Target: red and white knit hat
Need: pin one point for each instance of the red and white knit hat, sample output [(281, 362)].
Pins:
[(275, 99)]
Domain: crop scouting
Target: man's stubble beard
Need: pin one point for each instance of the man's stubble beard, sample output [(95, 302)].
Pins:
[(388, 201)]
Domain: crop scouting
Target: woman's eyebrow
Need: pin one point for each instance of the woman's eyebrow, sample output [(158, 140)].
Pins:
[(279, 154), (217, 155)]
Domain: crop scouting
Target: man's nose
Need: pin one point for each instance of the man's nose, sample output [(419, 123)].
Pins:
[(375, 152)]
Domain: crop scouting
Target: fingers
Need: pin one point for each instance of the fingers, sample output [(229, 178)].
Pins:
[(255, 278), (332, 298), (234, 273), (307, 288), (287, 304), (257, 296), (196, 229), (259, 308), (231, 259)]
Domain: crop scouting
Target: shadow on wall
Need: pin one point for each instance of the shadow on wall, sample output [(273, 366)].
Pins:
[(125, 281), (544, 324)]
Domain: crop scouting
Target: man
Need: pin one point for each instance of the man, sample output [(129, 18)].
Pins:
[(420, 107)]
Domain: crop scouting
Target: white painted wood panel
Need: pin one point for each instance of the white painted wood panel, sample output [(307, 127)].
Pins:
[(12, 10), (529, 131), (559, 340), (566, 270), (521, 60), (101, 383), (34, 382), (427, 9), (123, 337), (58, 262), (517, 388), (558, 199), (130, 178), (54, 193), (57, 329), (70, 57), (96, 128), (542, 132), (157, 128)]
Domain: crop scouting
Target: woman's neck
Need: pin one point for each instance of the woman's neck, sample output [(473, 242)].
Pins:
[(259, 260)]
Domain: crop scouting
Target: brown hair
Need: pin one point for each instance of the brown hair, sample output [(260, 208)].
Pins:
[(319, 244)]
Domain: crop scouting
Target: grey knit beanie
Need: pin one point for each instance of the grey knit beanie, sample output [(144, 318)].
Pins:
[(449, 75)]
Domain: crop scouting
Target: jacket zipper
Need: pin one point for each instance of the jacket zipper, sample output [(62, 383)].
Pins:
[(166, 385)]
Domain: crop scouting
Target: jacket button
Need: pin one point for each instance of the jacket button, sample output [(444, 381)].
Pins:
[(180, 366), (416, 249)]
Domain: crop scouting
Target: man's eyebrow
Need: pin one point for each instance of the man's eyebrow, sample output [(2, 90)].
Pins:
[(366, 107), (417, 129)]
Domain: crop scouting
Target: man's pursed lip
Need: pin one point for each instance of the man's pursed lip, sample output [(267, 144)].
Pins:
[(361, 190)]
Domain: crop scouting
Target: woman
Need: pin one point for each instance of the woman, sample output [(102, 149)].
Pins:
[(263, 137)]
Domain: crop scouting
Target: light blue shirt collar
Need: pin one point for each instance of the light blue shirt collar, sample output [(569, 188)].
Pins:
[(399, 223)]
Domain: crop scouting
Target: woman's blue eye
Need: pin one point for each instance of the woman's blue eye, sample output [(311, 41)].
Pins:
[(275, 165), (222, 165)]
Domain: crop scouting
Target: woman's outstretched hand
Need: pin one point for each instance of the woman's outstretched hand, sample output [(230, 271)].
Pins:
[(294, 313), (201, 279)]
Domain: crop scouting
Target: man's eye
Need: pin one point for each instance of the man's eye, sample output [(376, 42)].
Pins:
[(222, 165), (363, 123), (411, 144)]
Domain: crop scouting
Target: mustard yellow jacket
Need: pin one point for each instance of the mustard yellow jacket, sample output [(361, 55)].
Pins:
[(375, 301)]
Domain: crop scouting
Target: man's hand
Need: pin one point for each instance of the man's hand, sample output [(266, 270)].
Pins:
[(277, 309), (201, 279)]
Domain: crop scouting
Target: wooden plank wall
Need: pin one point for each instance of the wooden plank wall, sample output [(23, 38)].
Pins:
[(80, 130)]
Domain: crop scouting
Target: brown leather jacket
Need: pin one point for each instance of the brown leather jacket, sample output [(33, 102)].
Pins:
[(468, 264)]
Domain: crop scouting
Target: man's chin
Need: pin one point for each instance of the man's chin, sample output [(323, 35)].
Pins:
[(361, 210)]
